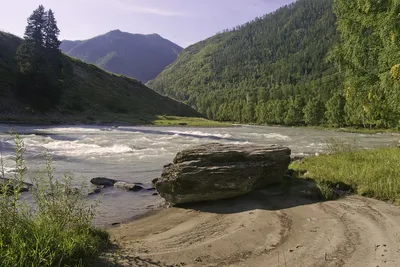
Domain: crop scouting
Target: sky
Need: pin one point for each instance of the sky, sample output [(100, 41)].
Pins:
[(181, 21)]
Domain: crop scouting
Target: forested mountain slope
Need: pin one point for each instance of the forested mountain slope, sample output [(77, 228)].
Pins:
[(138, 56), (270, 70), (88, 93)]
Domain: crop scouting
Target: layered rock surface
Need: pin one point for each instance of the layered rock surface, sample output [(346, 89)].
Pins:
[(216, 171)]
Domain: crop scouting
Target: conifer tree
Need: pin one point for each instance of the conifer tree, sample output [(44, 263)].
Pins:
[(30, 53), (51, 32), (39, 61)]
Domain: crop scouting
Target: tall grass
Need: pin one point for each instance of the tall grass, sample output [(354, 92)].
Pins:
[(56, 230), (373, 173)]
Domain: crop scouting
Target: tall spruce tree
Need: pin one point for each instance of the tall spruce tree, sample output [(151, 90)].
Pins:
[(30, 53), (39, 60), (51, 32), (51, 45)]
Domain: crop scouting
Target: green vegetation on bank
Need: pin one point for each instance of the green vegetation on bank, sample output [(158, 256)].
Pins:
[(191, 122), (360, 130), (313, 62), (371, 173), (56, 230)]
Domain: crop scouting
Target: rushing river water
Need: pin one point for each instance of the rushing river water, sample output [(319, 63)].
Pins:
[(138, 154)]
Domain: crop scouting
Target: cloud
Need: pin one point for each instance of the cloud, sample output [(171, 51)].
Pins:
[(135, 8), (156, 11)]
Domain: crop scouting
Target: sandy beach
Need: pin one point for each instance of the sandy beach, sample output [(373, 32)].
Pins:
[(263, 230)]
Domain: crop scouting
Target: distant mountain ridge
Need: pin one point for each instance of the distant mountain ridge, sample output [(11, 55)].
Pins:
[(139, 56)]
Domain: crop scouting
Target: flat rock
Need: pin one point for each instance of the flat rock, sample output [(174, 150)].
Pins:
[(216, 171)]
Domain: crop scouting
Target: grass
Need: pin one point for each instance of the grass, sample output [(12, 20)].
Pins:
[(358, 130), (371, 173), (186, 121), (56, 230)]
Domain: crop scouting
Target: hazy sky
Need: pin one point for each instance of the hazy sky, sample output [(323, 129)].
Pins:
[(181, 21)]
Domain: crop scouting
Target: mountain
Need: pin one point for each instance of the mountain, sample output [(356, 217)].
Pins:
[(270, 70), (138, 56), (89, 94)]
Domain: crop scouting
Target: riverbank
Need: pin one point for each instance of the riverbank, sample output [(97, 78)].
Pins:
[(289, 225), (161, 120), (261, 230), (359, 130), (111, 120)]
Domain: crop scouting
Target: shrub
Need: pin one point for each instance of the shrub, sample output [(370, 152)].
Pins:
[(56, 230), (334, 145)]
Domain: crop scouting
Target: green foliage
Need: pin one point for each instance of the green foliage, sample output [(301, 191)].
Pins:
[(368, 54), (294, 114), (373, 173), (139, 56), (326, 191), (314, 112), (56, 231), (264, 71), (334, 113)]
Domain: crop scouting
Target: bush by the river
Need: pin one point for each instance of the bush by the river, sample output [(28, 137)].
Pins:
[(56, 230), (372, 173)]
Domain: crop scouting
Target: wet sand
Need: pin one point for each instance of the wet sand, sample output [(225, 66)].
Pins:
[(261, 229)]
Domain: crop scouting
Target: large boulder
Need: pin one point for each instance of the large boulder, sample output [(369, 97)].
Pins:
[(216, 171)]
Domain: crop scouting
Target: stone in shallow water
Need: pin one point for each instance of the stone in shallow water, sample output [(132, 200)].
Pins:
[(216, 171), (102, 181), (128, 186)]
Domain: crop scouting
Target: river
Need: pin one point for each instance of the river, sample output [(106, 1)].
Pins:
[(138, 154)]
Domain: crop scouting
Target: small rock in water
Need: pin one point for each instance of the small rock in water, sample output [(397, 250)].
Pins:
[(154, 181), (127, 186), (106, 182), (155, 194)]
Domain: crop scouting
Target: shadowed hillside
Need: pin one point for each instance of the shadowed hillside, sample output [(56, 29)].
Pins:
[(89, 94)]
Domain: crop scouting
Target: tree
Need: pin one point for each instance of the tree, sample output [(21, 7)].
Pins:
[(294, 113), (30, 53), (334, 113), (39, 60), (368, 50), (51, 30), (313, 112)]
